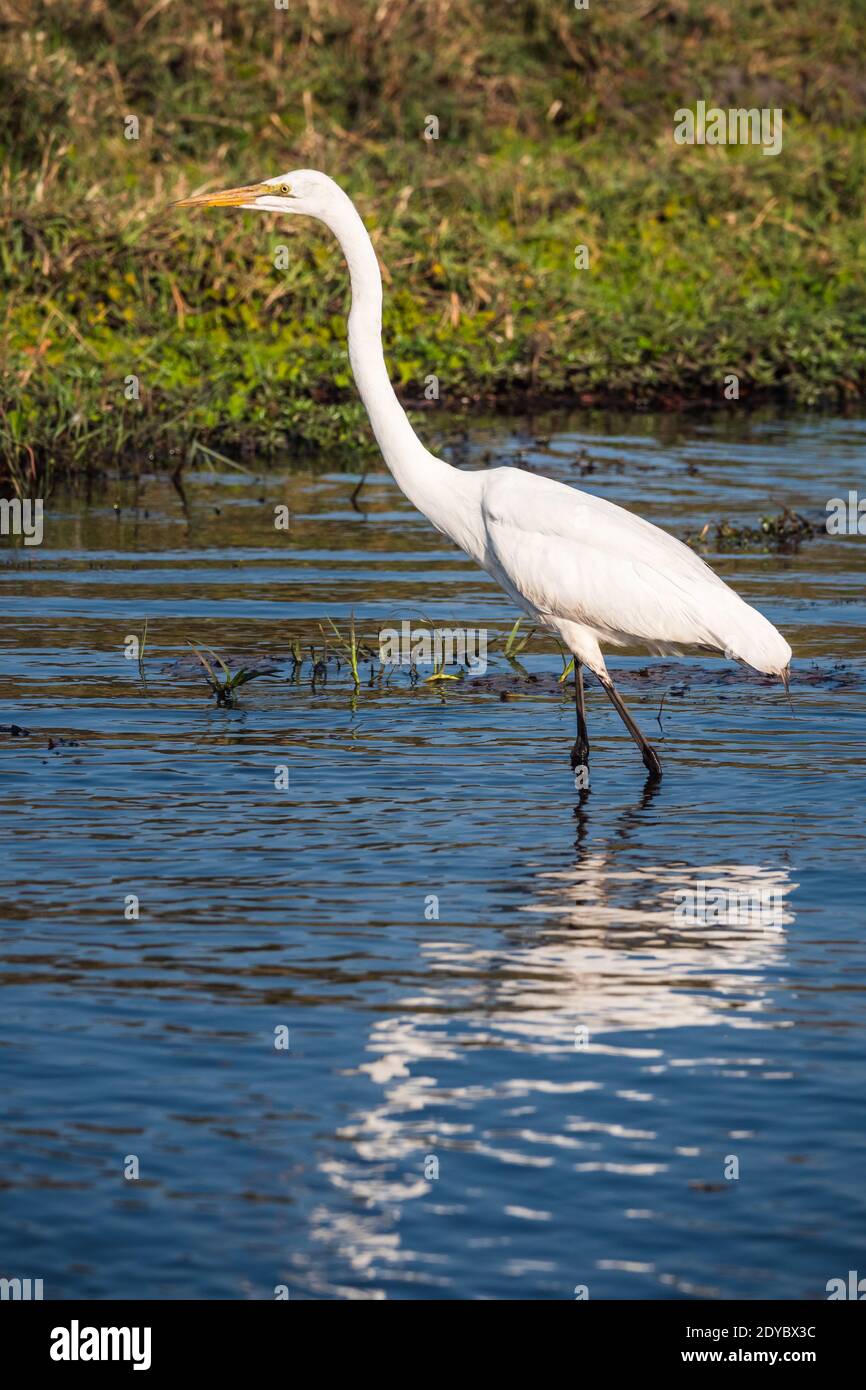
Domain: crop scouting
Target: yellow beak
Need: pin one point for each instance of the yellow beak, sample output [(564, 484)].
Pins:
[(229, 198)]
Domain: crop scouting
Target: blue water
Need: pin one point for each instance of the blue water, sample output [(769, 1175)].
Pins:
[(512, 1069)]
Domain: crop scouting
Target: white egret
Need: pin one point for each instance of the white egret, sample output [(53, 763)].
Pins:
[(595, 574)]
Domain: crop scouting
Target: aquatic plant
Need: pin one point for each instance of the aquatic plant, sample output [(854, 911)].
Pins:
[(784, 531), (225, 690)]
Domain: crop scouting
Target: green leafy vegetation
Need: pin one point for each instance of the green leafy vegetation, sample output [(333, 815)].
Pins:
[(555, 131), (226, 690)]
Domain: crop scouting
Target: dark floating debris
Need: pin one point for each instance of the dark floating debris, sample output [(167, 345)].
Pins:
[(785, 531), (314, 666), (14, 731), (673, 677)]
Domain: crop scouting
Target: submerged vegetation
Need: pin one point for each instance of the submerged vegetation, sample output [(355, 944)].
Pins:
[(552, 242), (784, 531), (321, 669), (353, 665), (225, 690)]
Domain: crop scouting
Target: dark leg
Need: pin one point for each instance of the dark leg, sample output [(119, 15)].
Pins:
[(580, 750), (648, 753)]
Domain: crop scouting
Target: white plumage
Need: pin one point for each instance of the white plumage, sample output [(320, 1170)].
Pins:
[(601, 576), (597, 575)]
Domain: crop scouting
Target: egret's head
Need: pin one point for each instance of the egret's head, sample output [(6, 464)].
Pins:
[(302, 191)]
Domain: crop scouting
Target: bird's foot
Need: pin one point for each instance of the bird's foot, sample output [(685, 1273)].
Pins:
[(651, 761)]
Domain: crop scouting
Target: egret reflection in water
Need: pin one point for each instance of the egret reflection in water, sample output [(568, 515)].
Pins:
[(598, 962)]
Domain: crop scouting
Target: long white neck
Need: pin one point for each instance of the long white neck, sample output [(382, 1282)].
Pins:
[(430, 484)]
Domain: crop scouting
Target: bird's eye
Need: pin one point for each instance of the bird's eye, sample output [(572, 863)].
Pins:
[(284, 188)]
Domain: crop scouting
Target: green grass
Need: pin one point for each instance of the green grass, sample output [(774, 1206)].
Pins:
[(225, 691), (555, 131)]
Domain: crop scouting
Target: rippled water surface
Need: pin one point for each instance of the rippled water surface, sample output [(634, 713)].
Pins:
[(583, 1068)]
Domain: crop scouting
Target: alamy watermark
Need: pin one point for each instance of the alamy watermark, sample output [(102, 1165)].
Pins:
[(846, 516), (22, 517), (438, 646), (852, 1288), (21, 1289), (736, 126), (77, 1343), (735, 905)]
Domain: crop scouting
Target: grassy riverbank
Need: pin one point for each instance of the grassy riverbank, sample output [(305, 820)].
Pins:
[(555, 131)]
